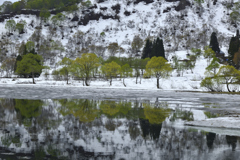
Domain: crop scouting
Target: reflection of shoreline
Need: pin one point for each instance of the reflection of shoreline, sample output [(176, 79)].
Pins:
[(217, 130), (220, 122)]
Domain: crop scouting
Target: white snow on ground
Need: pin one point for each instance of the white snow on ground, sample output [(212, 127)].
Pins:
[(220, 122)]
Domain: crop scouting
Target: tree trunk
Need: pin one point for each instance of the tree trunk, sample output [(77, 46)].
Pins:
[(124, 83), (228, 87), (158, 83), (86, 81), (111, 81), (33, 78), (67, 78)]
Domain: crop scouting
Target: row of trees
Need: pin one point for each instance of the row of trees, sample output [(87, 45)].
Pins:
[(60, 5), (86, 67), (217, 75)]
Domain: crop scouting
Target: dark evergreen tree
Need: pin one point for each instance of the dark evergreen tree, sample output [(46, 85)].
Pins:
[(147, 49), (214, 43), (158, 48), (161, 47), (154, 49), (233, 48)]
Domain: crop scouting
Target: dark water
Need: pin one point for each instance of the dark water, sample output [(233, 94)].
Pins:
[(126, 128)]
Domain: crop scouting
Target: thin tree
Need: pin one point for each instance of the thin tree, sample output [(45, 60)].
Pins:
[(158, 67)]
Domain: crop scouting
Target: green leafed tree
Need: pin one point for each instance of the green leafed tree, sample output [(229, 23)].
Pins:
[(66, 69), (30, 45), (213, 66), (20, 26), (58, 19), (8, 66), (126, 71), (30, 64), (111, 70), (85, 66), (113, 48), (208, 53), (137, 43), (44, 15), (212, 84), (158, 67), (10, 25), (230, 75)]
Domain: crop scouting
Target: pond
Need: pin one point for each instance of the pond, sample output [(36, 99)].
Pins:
[(113, 125)]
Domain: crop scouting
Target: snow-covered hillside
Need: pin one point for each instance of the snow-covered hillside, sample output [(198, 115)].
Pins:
[(181, 24)]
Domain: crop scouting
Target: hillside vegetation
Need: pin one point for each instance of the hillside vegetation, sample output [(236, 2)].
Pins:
[(131, 29)]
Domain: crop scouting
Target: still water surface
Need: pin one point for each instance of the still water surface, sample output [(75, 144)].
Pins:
[(117, 125)]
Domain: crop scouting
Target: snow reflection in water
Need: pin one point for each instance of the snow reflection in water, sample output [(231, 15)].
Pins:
[(106, 129)]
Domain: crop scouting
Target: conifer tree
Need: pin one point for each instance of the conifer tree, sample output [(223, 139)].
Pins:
[(233, 48), (147, 49), (162, 51), (214, 43)]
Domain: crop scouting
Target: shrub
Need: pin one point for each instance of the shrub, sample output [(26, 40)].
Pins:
[(212, 84)]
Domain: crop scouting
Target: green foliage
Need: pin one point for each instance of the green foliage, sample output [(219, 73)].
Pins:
[(199, 1), (28, 108), (85, 66), (50, 4), (213, 66), (208, 53), (86, 3), (8, 65), (30, 64), (196, 52), (182, 114), (111, 70), (109, 108), (137, 43), (102, 34), (6, 141), (155, 115), (159, 67), (30, 45), (113, 48), (67, 67), (58, 19), (230, 75), (213, 84), (83, 109), (44, 14), (17, 6), (56, 75), (20, 26), (10, 25), (211, 115), (126, 70)]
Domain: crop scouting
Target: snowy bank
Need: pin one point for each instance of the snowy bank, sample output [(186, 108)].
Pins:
[(221, 122)]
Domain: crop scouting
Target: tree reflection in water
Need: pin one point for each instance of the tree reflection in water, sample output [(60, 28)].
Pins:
[(93, 129)]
